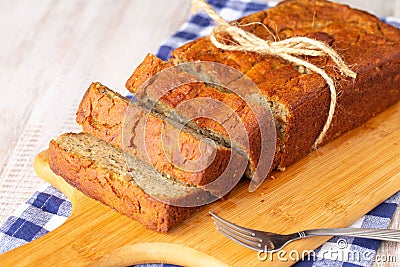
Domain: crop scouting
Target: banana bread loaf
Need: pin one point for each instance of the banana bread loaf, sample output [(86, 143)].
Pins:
[(299, 99), (191, 159), (99, 170)]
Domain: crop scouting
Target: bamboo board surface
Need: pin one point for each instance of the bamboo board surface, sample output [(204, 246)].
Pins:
[(331, 187)]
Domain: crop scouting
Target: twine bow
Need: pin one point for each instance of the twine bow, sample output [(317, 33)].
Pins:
[(286, 49)]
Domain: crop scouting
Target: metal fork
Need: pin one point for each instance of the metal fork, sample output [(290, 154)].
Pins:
[(266, 241)]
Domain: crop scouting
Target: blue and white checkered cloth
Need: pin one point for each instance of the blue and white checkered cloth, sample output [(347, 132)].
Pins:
[(48, 208), (43, 212)]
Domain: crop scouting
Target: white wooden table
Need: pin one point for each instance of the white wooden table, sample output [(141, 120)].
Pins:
[(51, 50)]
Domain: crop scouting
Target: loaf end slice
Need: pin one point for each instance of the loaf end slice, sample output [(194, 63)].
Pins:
[(99, 170), (225, 112)]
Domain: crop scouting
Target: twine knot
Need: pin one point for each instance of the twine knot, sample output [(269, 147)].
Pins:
[(288, 49)]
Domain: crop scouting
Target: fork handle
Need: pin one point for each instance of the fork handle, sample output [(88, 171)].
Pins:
[(378, 234)]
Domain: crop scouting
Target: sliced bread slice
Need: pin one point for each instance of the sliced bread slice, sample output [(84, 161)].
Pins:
[(105, 173), (188, 157)]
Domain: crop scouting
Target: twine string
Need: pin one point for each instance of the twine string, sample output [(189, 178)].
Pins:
[(288, 49)]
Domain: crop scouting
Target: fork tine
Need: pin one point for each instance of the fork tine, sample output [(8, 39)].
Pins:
[(238, 235), (235, 239), (244, 230), (232, 230)]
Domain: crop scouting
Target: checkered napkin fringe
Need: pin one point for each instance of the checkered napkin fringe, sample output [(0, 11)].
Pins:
[(48, 208)]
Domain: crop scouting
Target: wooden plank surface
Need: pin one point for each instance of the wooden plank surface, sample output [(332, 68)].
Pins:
[(331, 187)]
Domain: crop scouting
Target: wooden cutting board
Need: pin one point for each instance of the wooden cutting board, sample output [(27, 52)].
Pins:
[(331, 187)]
